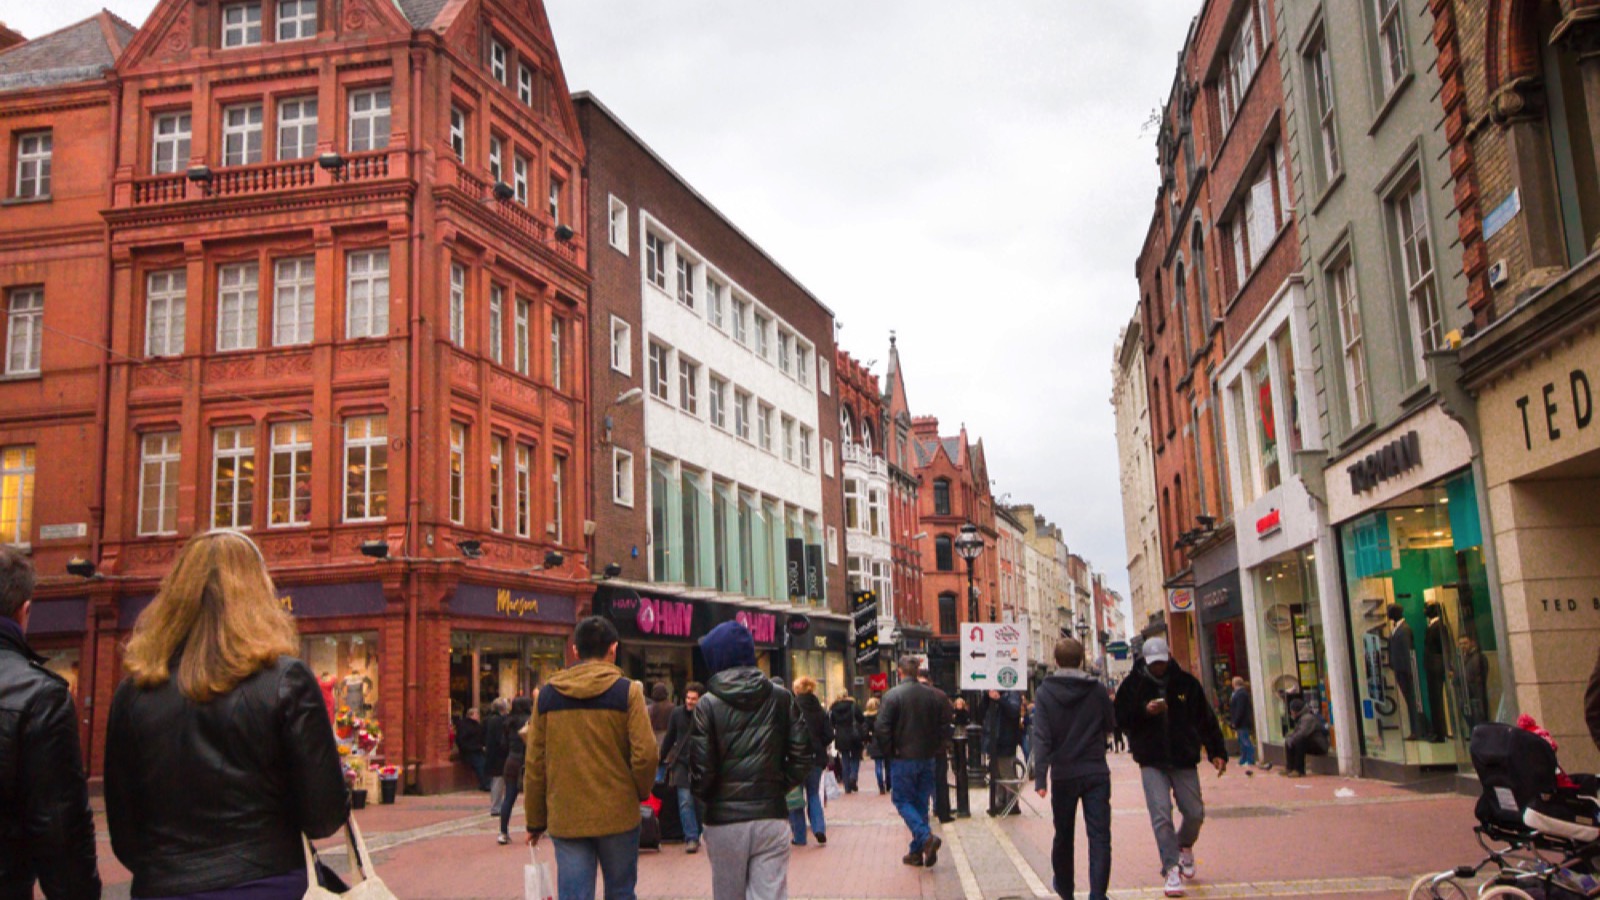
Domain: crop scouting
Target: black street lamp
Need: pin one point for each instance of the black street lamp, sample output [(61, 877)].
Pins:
[(970, 546)]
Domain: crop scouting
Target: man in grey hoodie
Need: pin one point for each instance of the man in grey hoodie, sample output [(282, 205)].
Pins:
[(1072, 715)]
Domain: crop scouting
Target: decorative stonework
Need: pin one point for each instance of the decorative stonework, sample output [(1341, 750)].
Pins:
[(157, 375), (289, 365), (176, 42), (230, 369), (355, 359)]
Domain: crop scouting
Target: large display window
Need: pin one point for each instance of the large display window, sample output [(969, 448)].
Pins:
[(346, 666), (1427, 662), (826, 668), (650, 664), (485, 666), (1292, 655)]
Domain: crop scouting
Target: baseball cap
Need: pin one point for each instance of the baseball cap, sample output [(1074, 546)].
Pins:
[(1155, 650)]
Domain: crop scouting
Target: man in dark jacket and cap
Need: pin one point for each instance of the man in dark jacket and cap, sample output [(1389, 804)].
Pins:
[(749, 747), (49, 832), (1072, 714), (1169, 723)]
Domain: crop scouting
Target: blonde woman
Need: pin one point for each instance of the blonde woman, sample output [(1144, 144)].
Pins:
[(869, 731), (821, 731), (219, 754)]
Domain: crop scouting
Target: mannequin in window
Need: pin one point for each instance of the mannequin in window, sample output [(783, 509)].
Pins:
[(1402, 662), (328, 683), (1434, 643), (356, 686)]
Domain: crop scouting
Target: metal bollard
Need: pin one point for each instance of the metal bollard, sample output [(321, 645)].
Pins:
[(976, 772), (958, 763)]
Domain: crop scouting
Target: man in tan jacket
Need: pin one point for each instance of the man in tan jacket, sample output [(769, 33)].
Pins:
[(591, 761)]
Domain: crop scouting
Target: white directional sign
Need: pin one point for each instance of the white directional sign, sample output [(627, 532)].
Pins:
[(994, 656)]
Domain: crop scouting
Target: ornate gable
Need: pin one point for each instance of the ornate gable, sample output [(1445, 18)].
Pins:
[(183, 30)]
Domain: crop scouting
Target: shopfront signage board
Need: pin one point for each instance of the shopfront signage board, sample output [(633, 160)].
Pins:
[(1400, 455), (813, 558), (494, 601), (1271, 523), (795, 557), (1181, 599), (994, 656), (66, 616), (878, 681), (798, 624), (309, 601), (63, 532)]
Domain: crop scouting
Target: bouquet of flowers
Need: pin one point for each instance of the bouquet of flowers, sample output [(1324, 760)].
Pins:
[(368, 735), (356, 734), (389, 773)]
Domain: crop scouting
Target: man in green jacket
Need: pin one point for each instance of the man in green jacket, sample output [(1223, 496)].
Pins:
[(591, 761)]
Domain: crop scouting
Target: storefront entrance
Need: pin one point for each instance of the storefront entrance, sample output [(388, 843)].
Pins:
[(1293, 665)]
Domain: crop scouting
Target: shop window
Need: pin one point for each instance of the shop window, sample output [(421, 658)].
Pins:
[(164, 297), (16, 494), (487, 667), (346, 666), (944, 554), (1292, 645), (750, 526)]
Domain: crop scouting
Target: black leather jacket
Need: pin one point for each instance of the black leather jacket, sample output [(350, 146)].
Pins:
[(914, 722), (46, 831), (748, 748), (203, 796)]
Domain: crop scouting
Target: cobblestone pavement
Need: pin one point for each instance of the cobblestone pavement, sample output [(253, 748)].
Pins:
[(1265, 836)]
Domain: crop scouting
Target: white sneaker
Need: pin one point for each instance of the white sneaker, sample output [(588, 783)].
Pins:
[(1174, 883), (1186, 862)]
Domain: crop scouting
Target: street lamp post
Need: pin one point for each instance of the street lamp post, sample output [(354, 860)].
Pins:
[(970, 546)]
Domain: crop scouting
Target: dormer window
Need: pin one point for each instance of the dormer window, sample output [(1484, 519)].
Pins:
[(497, 61), (297, 20), (241, 25)]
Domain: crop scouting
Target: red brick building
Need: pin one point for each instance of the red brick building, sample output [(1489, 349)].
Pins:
[(913, 624), (336, 310)]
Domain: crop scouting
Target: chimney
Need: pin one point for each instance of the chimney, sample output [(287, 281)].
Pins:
[(9, 38)]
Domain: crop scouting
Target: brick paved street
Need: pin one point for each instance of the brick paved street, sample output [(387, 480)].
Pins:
[(1265, 836)]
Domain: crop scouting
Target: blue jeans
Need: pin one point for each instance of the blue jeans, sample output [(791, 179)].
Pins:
[(615, 855), (1247, 748), (686, 815), (851, 766), (880, 767), (911, 790), (797, 817)]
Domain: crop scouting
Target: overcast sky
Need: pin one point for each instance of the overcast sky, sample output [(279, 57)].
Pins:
[(974, 176)]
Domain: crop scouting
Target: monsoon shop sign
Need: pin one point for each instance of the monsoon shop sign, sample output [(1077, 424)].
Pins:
[(497, 602)]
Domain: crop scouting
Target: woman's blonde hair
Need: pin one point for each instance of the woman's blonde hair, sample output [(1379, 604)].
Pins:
[(872, 706), (805, 684), (217, 614)]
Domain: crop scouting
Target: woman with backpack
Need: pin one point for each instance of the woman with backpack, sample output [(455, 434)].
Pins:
[(516, 729)]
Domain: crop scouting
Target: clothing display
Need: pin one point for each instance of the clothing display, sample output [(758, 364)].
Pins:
[(1434, 641), (356, 687), (1402, 662)]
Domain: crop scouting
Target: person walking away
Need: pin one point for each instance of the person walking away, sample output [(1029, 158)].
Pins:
[(1169, 724), (675, 759), (494, 752), (869, 728), (660, 709), (470, 742), (748, 747), (941, 764), (219, 755), (591, 761), (49, 838), (1072, 716), (849, 730), (1309, 738), (1002, 732), (1242, 719), (820, 728), (516, 730), (913, 724)]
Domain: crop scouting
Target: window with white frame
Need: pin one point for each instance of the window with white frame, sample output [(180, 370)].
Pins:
[(763, 325), (1342, 287), (498, 55), (805, 448), (290, 475), (688, 385), (788, 439), (1259, 217), (458, 473), (497, 169), (369, 120), (558, 330), (621, 346), (159, 456), (833, 546), (525, 85), (658, 370), (524, 477), (521, 335), (497, 320), (238, 297), (16, 493), (24, 330), (557, 187), (241, 25), (233, 477), (497, 483), (718, 395), (297, 20), (686, 274), (366, 293), (34, 162), (824, 375), (741, 414), (714, 294), (519, 177), (617, 223), (458, 133), (164, 296), (458, 304), (621, 477), (1320, 65), (827, 457), (1391, 44), (764, 427), (241, 134), (1239, 69), (741, 309), (558, 498), (802, 365), (366, 468), (297, 128), (854, 503), (294, 300), (1416, 267), (655, 259), (169, 152), (785, 351), (877, 513)]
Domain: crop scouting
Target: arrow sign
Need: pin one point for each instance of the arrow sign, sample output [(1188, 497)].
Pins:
[(976, 655), (976, 634), (979, 676)]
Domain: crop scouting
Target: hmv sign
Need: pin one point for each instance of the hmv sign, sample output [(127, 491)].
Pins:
[(666, 618)]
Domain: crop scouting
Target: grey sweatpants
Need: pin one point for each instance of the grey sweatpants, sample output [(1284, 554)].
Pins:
[(749, 860), (1161, 787)]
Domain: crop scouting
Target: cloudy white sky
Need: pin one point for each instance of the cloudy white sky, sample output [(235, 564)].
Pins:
[(974, 176)]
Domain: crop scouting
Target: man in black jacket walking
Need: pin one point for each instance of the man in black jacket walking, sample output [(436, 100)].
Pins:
[(748, 747), (1169, 722), (912, 726), (1072, 714), (48, 833)]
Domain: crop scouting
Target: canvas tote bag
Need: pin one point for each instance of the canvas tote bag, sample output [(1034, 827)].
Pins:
[(368, 885)]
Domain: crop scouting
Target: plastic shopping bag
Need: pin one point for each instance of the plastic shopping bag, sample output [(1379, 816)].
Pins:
[(831, 790), (538, 882)]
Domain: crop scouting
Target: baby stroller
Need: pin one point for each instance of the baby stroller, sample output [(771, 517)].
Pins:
[(1541, 836)]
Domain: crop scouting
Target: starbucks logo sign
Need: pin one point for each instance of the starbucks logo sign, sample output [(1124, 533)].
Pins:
[(1007, 678)]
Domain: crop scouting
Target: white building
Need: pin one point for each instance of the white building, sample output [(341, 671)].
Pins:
[(1141, 527)]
